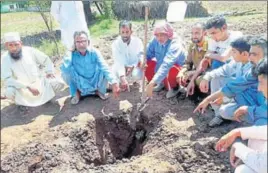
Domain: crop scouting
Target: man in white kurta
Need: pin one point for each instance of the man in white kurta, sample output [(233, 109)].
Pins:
[(127, 52), (71, 17), (23, 80)]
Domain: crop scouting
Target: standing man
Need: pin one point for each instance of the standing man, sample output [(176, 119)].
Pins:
[(24, 82), (165, 57), (128, 55), (71, 17), (86, 71)]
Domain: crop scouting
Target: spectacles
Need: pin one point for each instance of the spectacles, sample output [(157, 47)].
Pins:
[(81, 41)]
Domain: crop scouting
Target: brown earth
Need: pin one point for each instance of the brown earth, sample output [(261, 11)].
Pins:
[(95, 136)]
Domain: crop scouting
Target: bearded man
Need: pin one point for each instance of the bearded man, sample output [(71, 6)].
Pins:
[(24, 81), (128, 56), (196, 53)]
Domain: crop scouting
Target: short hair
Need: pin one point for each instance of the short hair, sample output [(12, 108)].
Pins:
[(216, 22), (125, 23), (79, 33), (199, 24), (259, 41), (262, 68), (241, 44)]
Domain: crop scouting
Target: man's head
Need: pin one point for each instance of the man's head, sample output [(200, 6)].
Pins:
[(198, 32), (125, 30), (216, 28), (262, 72), (13, 44), (163, 31), (240, 49), (258, 49), (81, 41)]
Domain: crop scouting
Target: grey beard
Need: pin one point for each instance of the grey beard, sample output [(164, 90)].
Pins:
[(16, 56)]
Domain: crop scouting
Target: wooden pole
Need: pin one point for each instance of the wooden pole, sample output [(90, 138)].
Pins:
[(144, 51)]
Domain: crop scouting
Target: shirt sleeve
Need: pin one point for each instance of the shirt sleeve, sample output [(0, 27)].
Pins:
[(118, 59), (140, 50), (189, 60), (150, 52), (105, 68), (254, 132), (43, 60), (258, 113), (7, 75), (227, 70), (257, 161), (239, 85), (173, 54)]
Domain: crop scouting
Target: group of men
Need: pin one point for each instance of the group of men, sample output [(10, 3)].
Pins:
[(229, 68)]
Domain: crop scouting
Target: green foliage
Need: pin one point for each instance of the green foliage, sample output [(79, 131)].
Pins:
[(103, 26), (49, 48), (107, 6)]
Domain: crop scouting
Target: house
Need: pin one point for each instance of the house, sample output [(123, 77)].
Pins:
[(12, 6)]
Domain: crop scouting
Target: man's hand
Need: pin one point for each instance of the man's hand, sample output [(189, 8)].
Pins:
[(124, 83), (202, 106), (129, 70), (149, 89), (218, 101), (34, 91), (116, 90), (50, 76), (241, 111), (190, 88), (142, 65), (203, 64), (179, 78), (204, 85), (227, 140), (233, 159)]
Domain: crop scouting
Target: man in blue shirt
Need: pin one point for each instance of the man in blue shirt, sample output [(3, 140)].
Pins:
[(86, 71), (165, 57)]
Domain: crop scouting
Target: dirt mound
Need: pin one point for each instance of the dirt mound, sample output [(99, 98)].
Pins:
[(107, 141)]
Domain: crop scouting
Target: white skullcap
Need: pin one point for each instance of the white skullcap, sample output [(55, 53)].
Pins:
[(11, 36)]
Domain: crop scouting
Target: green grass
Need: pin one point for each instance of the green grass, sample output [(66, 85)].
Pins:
[(49, 48), (104, 27), (26, 23)]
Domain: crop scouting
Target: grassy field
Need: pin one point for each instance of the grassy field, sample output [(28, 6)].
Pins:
[(26, 23)]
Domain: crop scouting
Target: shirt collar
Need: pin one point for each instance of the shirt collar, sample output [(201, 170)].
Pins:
[(204, 46)]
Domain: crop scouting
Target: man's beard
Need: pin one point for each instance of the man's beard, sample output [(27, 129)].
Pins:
[(253, 69), (16, 56), (126, 39)]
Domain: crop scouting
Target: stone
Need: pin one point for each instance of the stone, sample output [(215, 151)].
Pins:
[(125, 106)]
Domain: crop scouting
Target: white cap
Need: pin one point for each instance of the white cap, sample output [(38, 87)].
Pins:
[(11, 36)]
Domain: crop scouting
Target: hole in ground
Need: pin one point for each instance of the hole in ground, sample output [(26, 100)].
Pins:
[(113, 139)]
